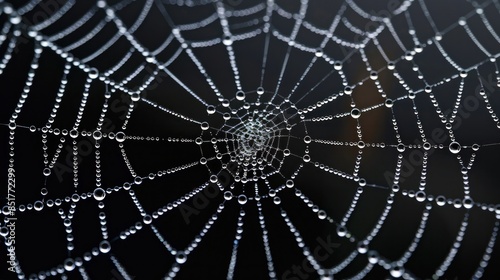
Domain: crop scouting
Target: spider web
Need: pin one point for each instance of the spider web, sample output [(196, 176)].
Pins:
[(249, 140)]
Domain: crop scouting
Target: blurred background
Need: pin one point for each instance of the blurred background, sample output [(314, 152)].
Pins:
[(40, 235)]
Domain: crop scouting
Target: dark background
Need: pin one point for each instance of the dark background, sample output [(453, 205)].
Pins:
[(40, 235)]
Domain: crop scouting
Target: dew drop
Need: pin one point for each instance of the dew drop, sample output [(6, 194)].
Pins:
[(213, 179), (260, 90), (408, 56), (401, 147), (397, 271), (440, 200), (104, 246), (355, 113), (277, 200), (147, 219), (97, 135), (362, 247), (38, 205), (306, 158), (120, 136), (93, 73), (427, 146), (69, 264), (240, 95), (227, 41), (341, 231), (135, 97), (15, 19), (272, 193), (46, 171), (454, 147), (181, 257), (99, 194), (468, 203), (138, 180), (289, 183), (389, 103), (361, 144), (420, 196), (228, 195), (242, 199), (321, 214), (319, 53), (73, 133), (373, 257), (373, 75), (419, 48), (204, 126), (210, 109), (348, 90), (75, 197), (203, 160)]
